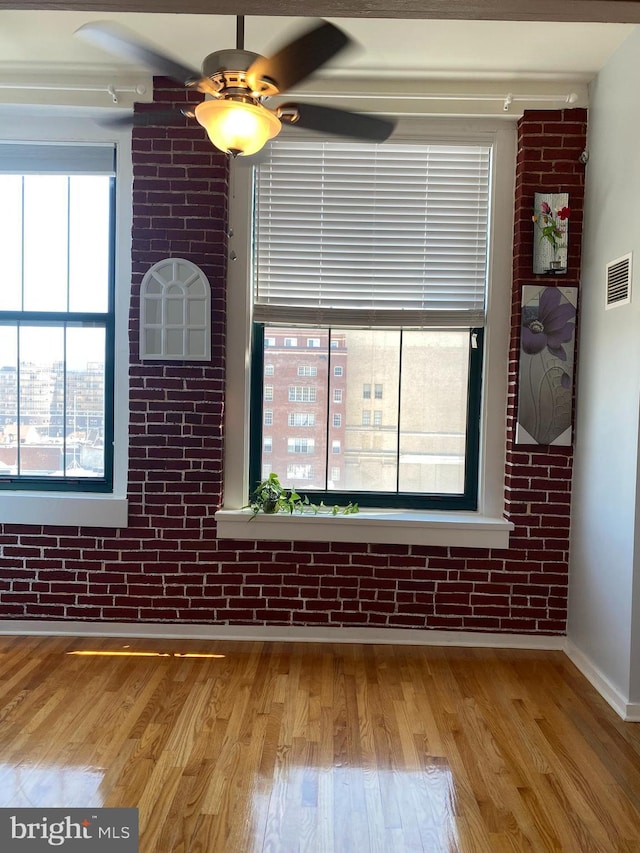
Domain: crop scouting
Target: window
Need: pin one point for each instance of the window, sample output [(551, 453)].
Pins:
[(269, 342), (377, 418), (267, 444), (268, 417), (302, 394), (57, 317), (307, 370), (269, 370), (313, 342), (424, 338), (300, 445), (296, 473), (268, 393), (337, 419), (335, 475), (490, 141), (301, 419), (291, 342), (337, 370)]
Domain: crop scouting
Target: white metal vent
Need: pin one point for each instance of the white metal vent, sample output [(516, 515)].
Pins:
[(619, 281)]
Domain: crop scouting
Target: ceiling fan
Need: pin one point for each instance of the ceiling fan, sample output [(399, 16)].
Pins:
[(237, 83)]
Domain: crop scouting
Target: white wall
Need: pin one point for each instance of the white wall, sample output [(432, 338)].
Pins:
[(604, 597)]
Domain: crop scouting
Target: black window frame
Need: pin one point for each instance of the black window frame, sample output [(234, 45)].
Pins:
[(69, 319), (465, 501)]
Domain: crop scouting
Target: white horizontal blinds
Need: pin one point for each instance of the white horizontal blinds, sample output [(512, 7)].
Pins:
[(31, 158), (354, 234)]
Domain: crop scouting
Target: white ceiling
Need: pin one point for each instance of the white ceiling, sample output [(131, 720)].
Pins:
[(389, 47), (39, 47)]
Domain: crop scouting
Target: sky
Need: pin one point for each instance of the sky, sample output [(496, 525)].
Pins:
[(64, 229)]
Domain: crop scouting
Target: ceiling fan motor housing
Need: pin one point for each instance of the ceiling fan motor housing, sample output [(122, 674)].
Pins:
[(227, 68), (228, 60)]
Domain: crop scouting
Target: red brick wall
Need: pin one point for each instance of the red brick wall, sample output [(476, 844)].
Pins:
[(538, 479), (168, 566)]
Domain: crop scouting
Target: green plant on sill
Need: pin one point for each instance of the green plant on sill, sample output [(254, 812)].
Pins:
[(270, 496)]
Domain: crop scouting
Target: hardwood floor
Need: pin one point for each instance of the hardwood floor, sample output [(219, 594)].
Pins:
[(318, 747)]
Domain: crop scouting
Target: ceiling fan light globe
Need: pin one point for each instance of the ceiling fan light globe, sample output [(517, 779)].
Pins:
[(237, 127)]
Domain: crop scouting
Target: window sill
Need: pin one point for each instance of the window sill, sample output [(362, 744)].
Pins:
[(66, 509), (400, 527)]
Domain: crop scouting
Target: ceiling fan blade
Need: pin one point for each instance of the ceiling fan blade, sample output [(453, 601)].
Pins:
[(340, 122), (143, 119), (116, 39), (298, 59)]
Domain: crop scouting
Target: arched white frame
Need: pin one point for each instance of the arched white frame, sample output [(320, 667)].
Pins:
[(175, 312)]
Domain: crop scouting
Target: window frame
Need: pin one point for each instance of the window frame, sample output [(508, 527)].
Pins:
[(467, 500), (65, 320), (484, 527), (59, 506)]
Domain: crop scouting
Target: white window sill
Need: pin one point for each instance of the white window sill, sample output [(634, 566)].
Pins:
[(63, 509), (402, 527)]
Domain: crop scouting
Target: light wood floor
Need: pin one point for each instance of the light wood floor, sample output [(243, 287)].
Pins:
[(297, 747)]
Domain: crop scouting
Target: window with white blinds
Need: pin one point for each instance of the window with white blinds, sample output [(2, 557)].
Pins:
[(372, 235)]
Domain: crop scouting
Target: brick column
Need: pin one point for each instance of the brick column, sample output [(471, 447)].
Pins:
[(538, 478)]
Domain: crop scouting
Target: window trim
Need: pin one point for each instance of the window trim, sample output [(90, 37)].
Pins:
[(486, 527), (58, 507)]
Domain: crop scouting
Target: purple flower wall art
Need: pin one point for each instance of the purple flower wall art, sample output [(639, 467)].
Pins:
[(546, 365)]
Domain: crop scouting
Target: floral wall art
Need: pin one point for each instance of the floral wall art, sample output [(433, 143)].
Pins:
[(551, 233), (546, 365)]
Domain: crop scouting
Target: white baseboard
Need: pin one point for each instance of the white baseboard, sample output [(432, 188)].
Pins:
[(629, 711), (313, 634)]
